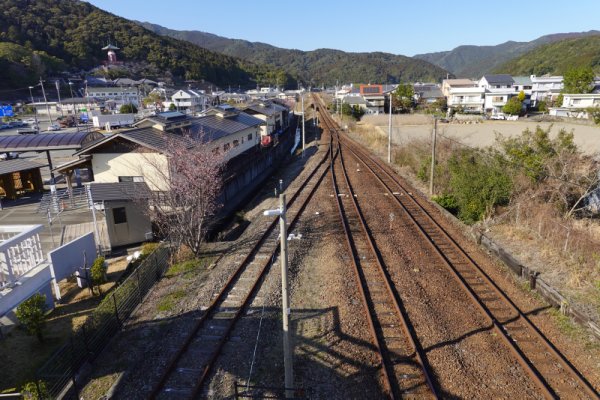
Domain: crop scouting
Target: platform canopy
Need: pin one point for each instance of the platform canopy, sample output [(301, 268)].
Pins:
[(48, 141)]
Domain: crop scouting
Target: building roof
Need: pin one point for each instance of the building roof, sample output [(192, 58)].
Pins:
[(115, 191), (522, 80), (264, 109), (202, 130), (499, 79), (16, 165), (111, 89), (354, 100), (433, 93), (459, 82), (213, 127), (125, 81), (48, 141), (110, 47)]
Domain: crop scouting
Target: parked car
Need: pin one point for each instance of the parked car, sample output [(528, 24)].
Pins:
[(4, 126), (29, 121), (27, 131), (54, 127), (9, 155), (16, 124)]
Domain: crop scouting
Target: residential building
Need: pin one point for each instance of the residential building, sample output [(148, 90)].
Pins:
[(114, 96), (524, 84), (545, 88), (192, 100), (142, 154), (499, 89), (468, 98), (448, 84), (275, 116), (427, 93), (580, 101)]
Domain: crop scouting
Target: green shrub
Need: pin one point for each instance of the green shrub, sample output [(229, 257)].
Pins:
[(542, 106), (32, 314), (479, 182), (31, 391), (98, 271), (448, 201)]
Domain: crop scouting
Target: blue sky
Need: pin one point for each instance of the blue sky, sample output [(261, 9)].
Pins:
[(405, 27)]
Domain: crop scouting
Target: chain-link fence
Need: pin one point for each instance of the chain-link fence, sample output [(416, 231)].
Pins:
[(58, 376)]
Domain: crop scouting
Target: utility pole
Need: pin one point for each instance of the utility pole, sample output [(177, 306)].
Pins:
[(285, 303), (46, 101), (75, 113), (433, 140), (288, 364), (390, 132), (303, 133), (57, 83), (37, 126)]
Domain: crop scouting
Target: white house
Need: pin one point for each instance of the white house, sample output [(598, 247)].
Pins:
[(499, 89), (142, 154), (188, 99), (448, 84), (545, 88), (118, 95), (470, 99)]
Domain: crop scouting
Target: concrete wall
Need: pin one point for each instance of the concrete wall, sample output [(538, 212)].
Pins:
[(68, 258), (34, 281)]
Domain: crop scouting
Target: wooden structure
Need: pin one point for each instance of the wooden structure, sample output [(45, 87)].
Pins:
[(19, 177)]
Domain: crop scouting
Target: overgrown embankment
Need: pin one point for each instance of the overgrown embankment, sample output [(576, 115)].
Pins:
[(529, 192)]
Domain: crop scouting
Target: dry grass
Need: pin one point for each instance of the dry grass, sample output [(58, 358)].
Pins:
[(25, 354), (565, 251)]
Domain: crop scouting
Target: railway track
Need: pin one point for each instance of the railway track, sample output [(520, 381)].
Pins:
[(187, 371), (547, 367), (404, 372)]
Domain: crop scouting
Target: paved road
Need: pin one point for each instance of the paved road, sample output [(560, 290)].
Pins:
[(24, 212)]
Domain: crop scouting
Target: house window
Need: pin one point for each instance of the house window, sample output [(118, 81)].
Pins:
[(226, 146), (236, 143), (119, 215), (249, 136), (131, 179), (576, 101), (596, 102)]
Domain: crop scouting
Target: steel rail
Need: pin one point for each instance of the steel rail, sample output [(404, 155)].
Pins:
[(499, 327), (171, 366), (361, 278)]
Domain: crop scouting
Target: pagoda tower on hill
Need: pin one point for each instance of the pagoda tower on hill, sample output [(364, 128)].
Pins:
[(112, 56)]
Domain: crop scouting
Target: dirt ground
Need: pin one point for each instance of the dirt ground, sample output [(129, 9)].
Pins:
[(76, 305), (409, 127)]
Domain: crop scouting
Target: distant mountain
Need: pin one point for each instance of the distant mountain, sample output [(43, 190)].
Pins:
[(39, 37), (322, 66), (556, 58), (475, 61)]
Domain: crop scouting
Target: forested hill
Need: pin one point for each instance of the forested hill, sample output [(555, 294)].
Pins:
[(556, 58), (475, 61), (318, 67), (45, 36)]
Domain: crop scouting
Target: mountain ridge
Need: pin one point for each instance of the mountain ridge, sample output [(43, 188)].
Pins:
[(320, 66), (472, 61), (71, 33)]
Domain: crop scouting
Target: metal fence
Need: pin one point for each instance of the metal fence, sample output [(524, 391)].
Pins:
[(58, 377)]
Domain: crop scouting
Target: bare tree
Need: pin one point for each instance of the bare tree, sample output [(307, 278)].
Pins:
[(190, 175)]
